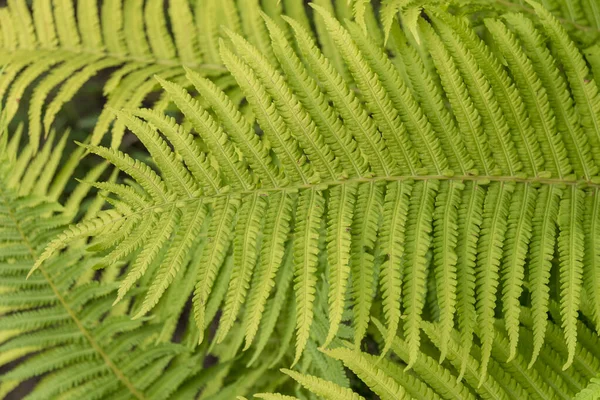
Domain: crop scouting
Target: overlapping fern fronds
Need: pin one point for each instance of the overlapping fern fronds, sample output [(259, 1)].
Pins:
[(60, 336), (378, 188), (580, 17), (508, 378), (59, 325), (59, 45)]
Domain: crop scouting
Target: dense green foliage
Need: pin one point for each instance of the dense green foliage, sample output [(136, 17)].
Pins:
[(395, 200)]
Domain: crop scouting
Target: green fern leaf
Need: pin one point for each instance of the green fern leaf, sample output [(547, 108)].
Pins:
[(585, 92), (364, 234), (362, 127), (63, 324), (446, 167), (420, 214), (323, 388), (382, 384), (591, 392), (238, 128)]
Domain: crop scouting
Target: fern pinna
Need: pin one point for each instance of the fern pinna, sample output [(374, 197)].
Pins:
[(410, 209)]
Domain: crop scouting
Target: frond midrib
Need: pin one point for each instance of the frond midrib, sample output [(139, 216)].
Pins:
[(123, 58), (118, 373), (479, 179)]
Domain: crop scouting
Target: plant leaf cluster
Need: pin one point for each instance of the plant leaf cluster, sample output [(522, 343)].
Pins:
[(315, 188)]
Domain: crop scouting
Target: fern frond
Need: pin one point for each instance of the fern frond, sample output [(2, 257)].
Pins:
[(365, 225), (534, 97), (238, 128), (482, 93), (385, 386), (293, 113), (277, 227), (190, 224), (174, 170), (289, 151), (470, 219), (323, 388), (445, 167), (591, 392), (579, 17), (162, 229), (211, 133), (420, 215), (430, 371), (518, 236), (63, 324), (361, 126), (326, 42), (529, 379), (274, 396), (493, 234), (585, 92), (590, 277), (385, 115), (445, 238), (508, 98), (412, 116), (341, 200), (128, 40)]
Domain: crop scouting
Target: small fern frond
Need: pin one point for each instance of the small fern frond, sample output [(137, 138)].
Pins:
[(366, 368), (299, 123), (361, 126), (322, 388), (591, 392), (274, 396), (570, 246), (220, 230), (324, 116)]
